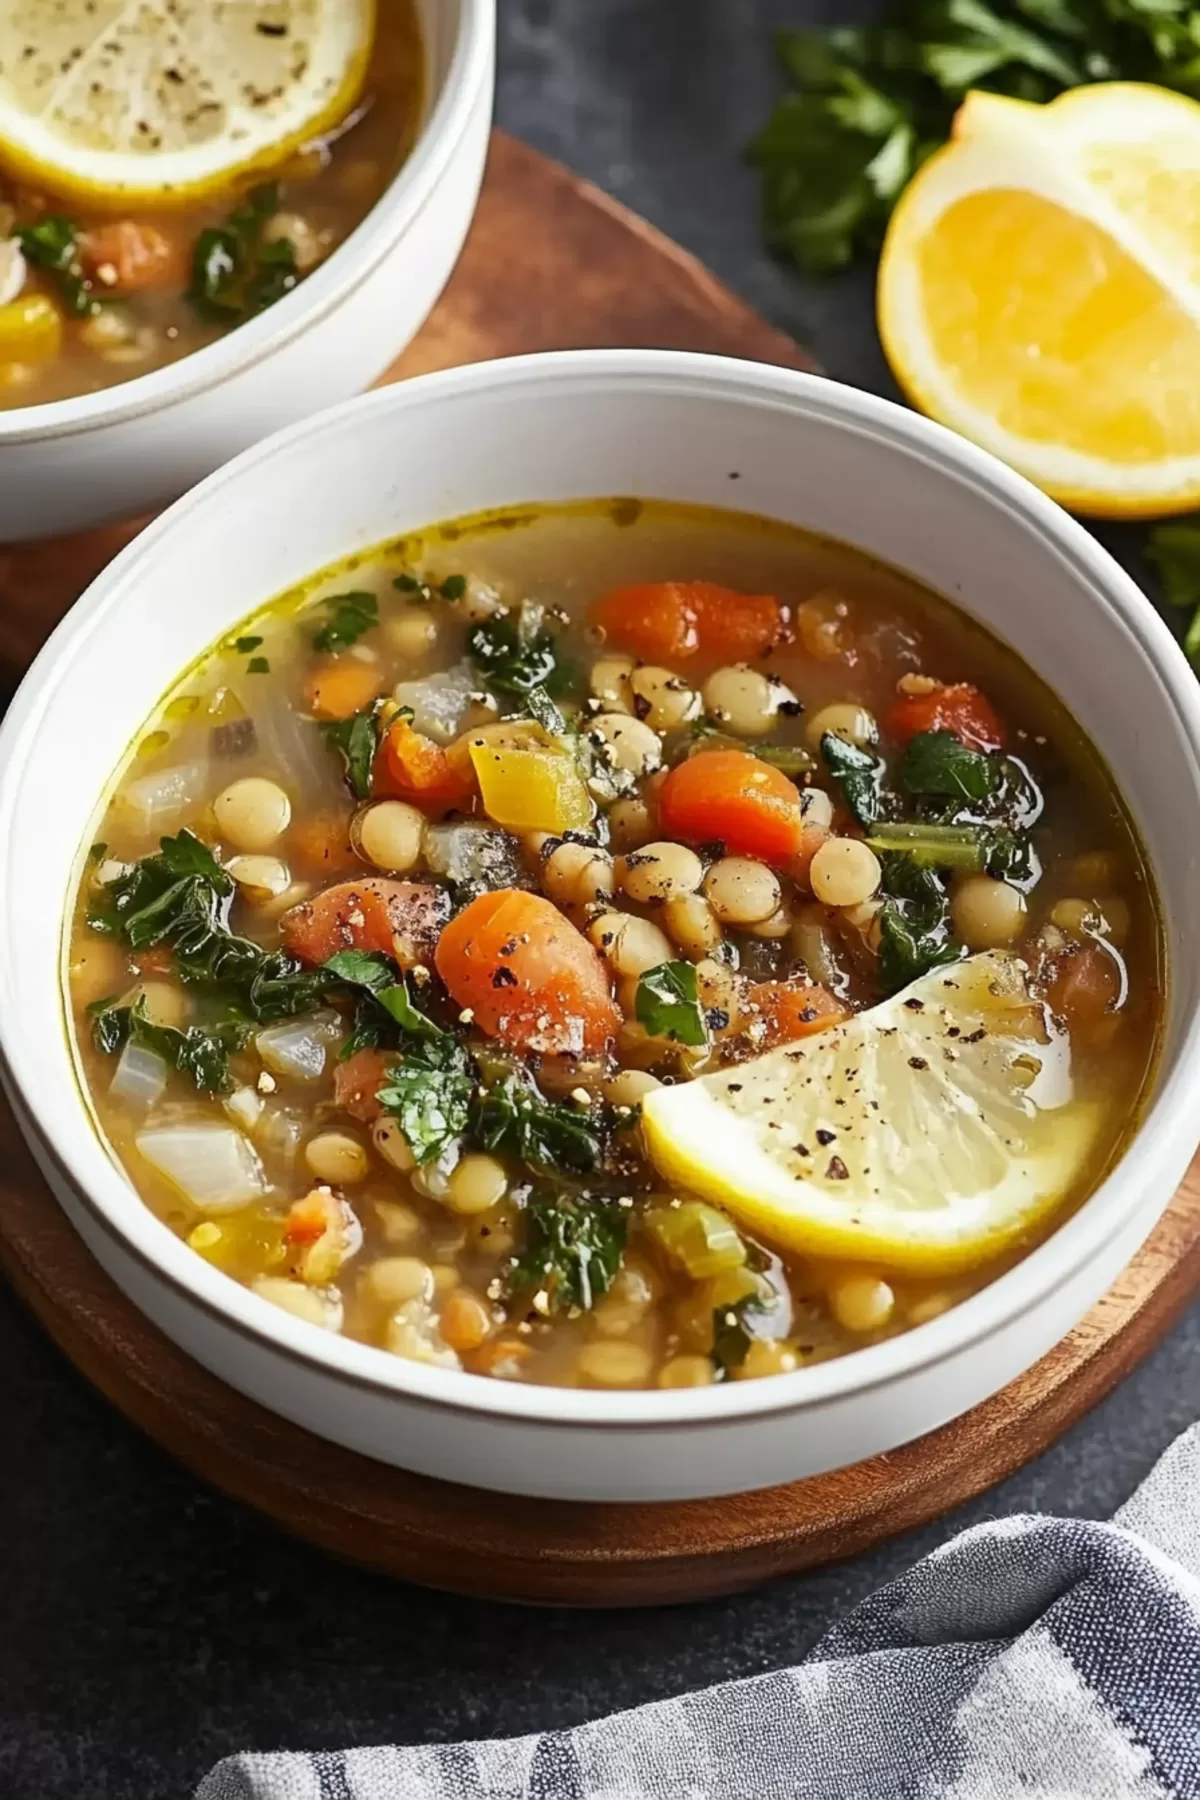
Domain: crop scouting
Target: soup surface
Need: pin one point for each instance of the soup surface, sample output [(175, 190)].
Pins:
[(91, 296), (619, 945)]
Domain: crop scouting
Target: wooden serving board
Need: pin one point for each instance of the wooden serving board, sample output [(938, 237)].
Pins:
[(551, 263)]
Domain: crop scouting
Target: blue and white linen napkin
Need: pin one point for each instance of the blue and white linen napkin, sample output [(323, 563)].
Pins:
[(1039, 1658)]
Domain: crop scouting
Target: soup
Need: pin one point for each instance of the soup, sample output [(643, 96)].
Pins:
[(620, 945), (91, 296)]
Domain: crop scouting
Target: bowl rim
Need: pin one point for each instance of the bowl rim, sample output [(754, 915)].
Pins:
[(312, 300), (96, 1181)]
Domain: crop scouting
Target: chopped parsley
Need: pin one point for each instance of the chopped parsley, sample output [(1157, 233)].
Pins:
[(352, 615), (429, 1094), (244, 645), (420, 592), (258, 665), (667, 1003), (733, 1331)]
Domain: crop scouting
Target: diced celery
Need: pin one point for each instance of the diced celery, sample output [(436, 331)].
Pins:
[(694, 1235)]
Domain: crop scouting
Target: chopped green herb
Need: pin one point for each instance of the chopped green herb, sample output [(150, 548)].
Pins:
[(515, 652), (98, 851), (668, 1004), (512, 1116), (201, 1054), (386, 1004), (914, 923), (244, 645), (236, 271), (357, 740), (859, 773), (53, 244), (429, 1094), (938, 763), (869, 104), (258, 665), (572, 1250), (422, 592), (733, 1331), (352, 615), (454, 587), (1174, 550)]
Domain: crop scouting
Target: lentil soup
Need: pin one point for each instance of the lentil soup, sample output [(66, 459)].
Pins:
[(429, 891), (93, 295)]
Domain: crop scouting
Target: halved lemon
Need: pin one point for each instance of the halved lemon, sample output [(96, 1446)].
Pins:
[(1040, 292), (929, 1133), (162, 101)]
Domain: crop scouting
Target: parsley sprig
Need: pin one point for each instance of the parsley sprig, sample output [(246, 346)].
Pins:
[(867, 105), (236, 270)]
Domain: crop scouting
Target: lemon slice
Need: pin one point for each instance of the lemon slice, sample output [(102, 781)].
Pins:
[(1040, 292), (929, 1133), (162, 101)]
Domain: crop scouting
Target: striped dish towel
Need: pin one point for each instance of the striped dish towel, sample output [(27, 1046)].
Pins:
[(1039, 1658)]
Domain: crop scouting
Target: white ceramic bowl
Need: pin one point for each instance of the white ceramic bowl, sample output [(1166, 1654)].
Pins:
[(554, 428), (133, 447)]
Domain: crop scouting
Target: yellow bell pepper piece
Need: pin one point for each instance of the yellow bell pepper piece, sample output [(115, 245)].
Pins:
[(31, 330), (530, 787)]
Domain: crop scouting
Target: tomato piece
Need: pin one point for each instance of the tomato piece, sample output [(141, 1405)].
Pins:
[(129, 256), (666, 621), (528, 975), (356, 1084), (1085, 985), (788, 1010), (731, 797), (959, 708), (396, 918), (410, 766)]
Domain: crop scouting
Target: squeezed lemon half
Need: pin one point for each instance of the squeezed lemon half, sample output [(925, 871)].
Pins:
[(930, 1133), (161, 102), (1040, 292)]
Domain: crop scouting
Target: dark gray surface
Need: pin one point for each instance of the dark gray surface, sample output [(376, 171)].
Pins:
[(150, 1626)]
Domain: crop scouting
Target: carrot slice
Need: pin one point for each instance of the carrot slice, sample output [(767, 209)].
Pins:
[(787, 1010), (397, 918), (528, 976), (734, 798), (670, 620), (959, 708), (410, 766), (337, 690), (129, 256)]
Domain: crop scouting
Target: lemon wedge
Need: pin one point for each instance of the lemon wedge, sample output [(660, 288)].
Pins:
[(163, 101), (1039, 292), (929, 1133)]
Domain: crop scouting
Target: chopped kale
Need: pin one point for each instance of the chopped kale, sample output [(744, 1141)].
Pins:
[(429, 1094), (512, 1116), (515, 652), (733, 1331), (938, 764), (236, 271), (572, 1250), (914, 923), (357, 741), (199, 1053), (859, 773)]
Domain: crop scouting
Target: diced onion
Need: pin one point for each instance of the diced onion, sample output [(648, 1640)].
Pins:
[(244, 1107), (439, 702), (212, 1165), (12, 270), (299, 1048), (279, 1132), (139, 1078), (472, 855), (294, 747), (156, 799)]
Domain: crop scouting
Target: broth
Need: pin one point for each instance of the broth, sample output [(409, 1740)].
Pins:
[(498, 1211)]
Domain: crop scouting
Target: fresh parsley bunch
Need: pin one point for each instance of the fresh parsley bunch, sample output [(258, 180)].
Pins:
[(868, 104)]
